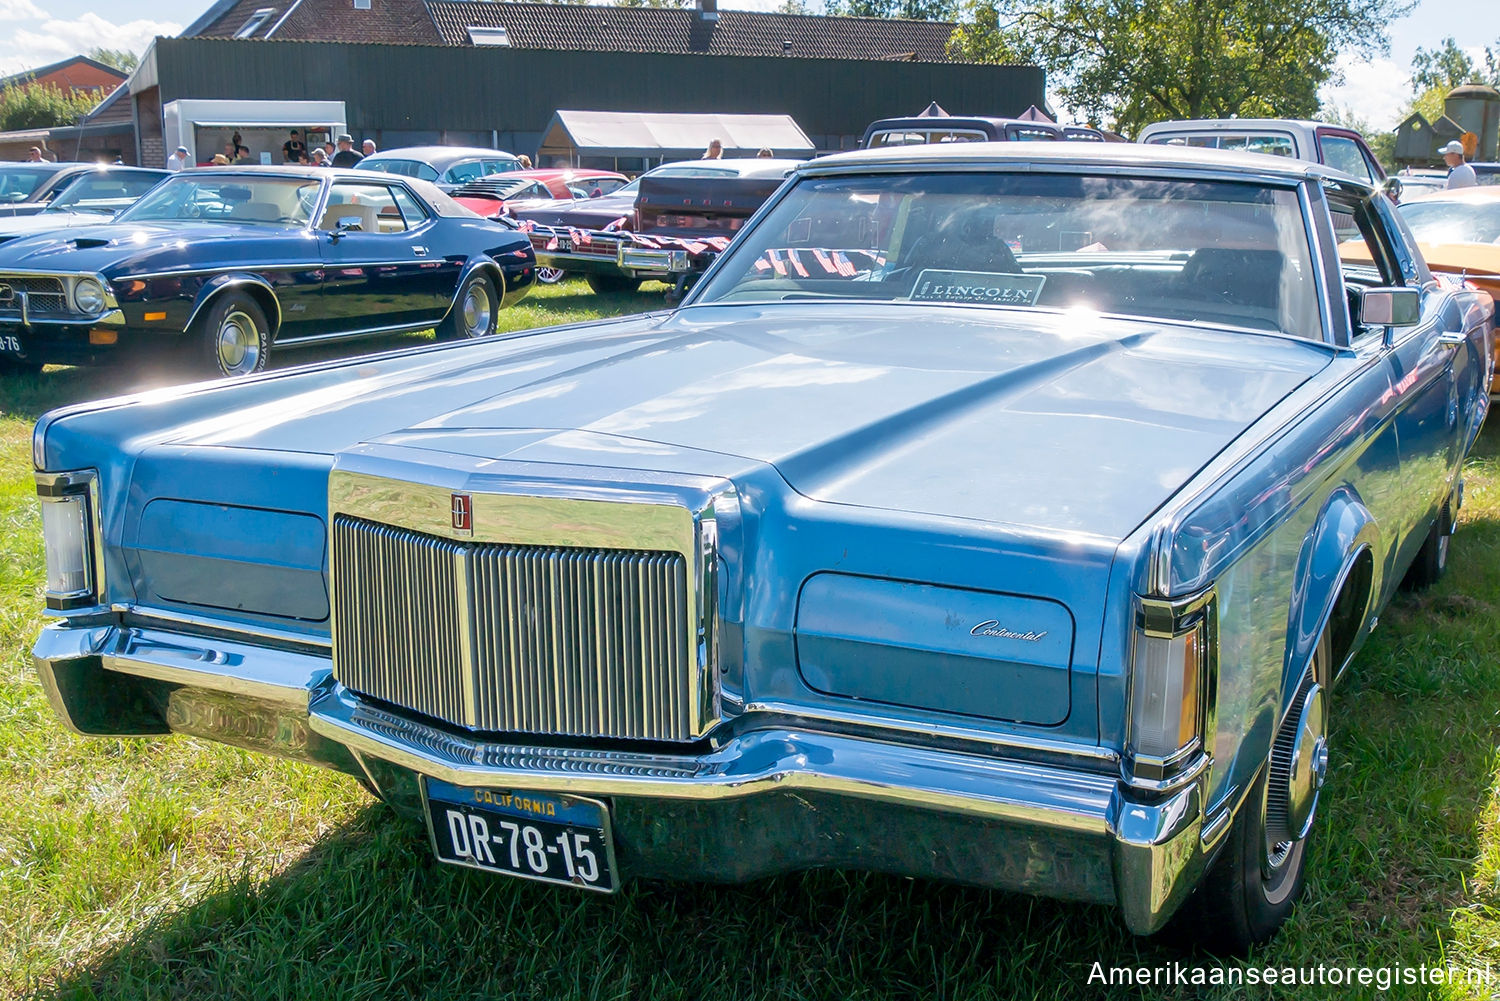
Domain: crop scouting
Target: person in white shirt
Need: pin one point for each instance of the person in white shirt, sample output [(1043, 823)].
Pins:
[(1460, 174), (178, 160)]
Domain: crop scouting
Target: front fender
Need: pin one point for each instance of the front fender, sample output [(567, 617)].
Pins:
[(258, 286), (1343, 530), (515, 270)]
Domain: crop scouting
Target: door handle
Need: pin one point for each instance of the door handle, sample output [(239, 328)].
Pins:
[(419, 251), (1452, 338)]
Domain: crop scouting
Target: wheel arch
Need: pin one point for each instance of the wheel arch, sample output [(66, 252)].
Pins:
[(257, 287), (477, 265), (1334, 590)]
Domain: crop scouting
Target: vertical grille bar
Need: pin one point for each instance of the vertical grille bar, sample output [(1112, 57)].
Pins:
[(527, 639)]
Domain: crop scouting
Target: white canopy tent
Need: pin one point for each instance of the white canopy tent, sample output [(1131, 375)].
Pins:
[(605, 138)]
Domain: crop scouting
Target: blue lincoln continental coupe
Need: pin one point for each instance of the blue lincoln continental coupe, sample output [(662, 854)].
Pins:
[(998, 513), (221, 266)]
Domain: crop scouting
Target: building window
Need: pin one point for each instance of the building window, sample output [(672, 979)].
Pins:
[(361, 4), (256, 22), (488, 36)]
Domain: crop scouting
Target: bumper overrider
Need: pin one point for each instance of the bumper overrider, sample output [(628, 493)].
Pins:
[(779, 792)]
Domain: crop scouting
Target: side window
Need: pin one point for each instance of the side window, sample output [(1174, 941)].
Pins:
[(411, 210), (1342, 153), (1365, 256), (463, 173), (371, 208)]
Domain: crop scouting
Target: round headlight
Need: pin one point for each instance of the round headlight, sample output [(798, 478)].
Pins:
[(88, 296)]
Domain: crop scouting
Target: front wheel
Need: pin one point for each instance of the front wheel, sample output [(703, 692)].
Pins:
[(1262, 871), (550, 276), (613, 284), (475, 314), (232, 337)]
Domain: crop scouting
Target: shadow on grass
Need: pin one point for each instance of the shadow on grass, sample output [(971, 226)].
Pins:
[(367, 913)]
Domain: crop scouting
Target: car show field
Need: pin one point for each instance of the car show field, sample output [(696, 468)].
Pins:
[(181, 868)]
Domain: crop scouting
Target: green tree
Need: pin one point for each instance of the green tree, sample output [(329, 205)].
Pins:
[(1131, 62), (121, 59), (914, 10), (41, 106)]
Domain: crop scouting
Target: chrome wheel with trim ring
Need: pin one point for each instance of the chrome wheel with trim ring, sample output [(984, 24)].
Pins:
[(475, 312), (231, 335)]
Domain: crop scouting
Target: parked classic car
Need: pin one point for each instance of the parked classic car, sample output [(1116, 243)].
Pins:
[(446, 166), (1458, 233), (27, 187), (88, 199), (995, 513), (224, 265), (677, 217), (547, 189), (1316, 142)]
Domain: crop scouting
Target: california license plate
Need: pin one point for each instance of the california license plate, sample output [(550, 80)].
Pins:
[(10, 344), (555, 839)]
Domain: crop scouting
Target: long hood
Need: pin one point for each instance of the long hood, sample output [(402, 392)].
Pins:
[(1053, 422), (117, 247), (12, 227)]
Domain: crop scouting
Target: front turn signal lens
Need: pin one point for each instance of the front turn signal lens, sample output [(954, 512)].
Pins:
[(68, 539)]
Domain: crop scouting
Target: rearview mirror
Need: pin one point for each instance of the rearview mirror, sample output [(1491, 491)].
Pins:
[(1389, 307)]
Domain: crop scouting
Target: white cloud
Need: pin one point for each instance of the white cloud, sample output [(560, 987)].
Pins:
[(1375, 90), (19, 10), (57, 39)]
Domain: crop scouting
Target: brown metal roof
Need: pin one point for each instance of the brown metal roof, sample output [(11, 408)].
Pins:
[(387, 21), (588, 27)]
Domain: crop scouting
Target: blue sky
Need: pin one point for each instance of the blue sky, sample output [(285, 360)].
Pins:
[(36, 32)]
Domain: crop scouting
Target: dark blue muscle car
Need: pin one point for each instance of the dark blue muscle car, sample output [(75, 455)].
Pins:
[(221, 266)]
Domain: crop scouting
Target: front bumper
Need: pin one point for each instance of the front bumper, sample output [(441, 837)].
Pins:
[(62, 342), (779, 795)]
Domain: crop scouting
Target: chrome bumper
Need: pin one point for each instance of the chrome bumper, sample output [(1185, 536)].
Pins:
[(636, 262), (775, 797)]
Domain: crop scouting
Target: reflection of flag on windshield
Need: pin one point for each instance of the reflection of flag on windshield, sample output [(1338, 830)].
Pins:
[(804, 260)]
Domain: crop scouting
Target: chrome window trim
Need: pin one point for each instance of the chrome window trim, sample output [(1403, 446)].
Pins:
[(1320, 274)]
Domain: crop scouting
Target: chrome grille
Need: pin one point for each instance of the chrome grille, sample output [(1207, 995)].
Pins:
[(44, 294), (515, 638)]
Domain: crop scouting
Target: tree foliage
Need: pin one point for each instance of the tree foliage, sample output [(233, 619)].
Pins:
[(915, 10), (121, 59), (1126, 63), (41, 106), (1449, 66)]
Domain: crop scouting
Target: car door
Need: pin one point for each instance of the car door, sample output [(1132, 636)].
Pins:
[(379, 270), (1425, 365)]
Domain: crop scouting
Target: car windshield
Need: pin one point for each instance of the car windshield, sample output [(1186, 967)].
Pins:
[(1444, 221), (1228, 253), (241, 198), (102, 194), (17, 181)]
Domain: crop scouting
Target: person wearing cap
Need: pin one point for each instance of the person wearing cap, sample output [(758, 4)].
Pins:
[(1460, 174), (346, 157), (293, 150), (178, 160)]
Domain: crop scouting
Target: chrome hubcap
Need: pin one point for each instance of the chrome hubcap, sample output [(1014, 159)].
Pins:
[(477, 310), (238, 344), (1309, 765)]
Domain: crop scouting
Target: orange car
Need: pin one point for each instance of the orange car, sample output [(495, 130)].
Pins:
[(1458, 233)]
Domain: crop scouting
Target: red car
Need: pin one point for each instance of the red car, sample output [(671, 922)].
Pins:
[(501, 194)]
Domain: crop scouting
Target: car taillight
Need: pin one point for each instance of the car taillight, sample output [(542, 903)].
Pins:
[(68, 530), (1170, 686)]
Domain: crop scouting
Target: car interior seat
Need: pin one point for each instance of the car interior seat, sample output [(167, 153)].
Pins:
[(369, 222)]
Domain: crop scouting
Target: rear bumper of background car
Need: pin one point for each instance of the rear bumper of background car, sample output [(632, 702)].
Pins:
[(776, 796)]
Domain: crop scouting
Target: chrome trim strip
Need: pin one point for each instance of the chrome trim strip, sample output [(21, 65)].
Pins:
[(1319, 266), (1091, 755), (112, 318), (203, 625), (759, 762), (236, 280), (398, 328)]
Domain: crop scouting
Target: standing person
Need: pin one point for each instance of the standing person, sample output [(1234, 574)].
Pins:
[(293, 150), (368, 147), (178, 160), (346, 157), (1460, 174), (715, 150)]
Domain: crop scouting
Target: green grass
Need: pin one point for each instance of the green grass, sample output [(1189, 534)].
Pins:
[(183, 869)]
